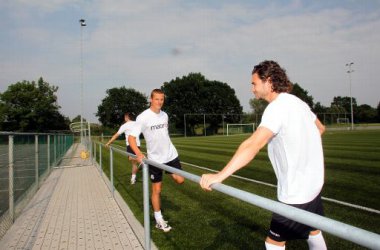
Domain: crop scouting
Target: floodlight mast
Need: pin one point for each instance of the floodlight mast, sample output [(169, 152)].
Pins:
[(349, 76), (82, 24)]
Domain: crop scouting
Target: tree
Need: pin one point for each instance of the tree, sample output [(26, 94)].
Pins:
[(344, 103), (319, 108), (77, 119), (194, 94), (365, 114), (378, 112), (302, 94), (30, 106), (117, 102), (258, 106)]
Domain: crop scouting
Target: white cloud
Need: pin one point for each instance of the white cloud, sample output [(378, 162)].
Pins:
[(143, 44)]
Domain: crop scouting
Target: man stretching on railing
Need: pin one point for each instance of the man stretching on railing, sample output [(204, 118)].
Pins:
[(126, 128), (293, 134), (153, 123)]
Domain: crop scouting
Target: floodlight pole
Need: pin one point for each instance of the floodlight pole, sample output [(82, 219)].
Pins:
[(82, 24), (349, 76)]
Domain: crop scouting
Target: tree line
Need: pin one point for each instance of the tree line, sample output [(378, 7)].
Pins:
[(32, 106)]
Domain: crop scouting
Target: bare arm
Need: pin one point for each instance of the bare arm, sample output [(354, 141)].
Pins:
[(320, 126), (133, 144), (245, 153), (114, 137)]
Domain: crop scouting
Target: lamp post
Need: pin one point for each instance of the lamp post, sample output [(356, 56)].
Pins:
[(349, 76), (82, 24)]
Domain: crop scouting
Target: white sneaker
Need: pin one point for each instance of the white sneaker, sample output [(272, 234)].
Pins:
[(163, 225), (133, 181)]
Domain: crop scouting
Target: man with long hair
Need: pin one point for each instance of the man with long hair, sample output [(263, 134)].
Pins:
[(293, 134)]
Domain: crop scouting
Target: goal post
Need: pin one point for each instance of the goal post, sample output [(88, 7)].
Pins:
[(240, 128), (342, 120)]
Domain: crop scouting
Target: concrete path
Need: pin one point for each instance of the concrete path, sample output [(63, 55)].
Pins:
[(74, 209)]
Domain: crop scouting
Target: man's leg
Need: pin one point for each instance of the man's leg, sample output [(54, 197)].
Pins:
[(156, 196), (176, 164), (134, 170), (156, 203), (316, 241)]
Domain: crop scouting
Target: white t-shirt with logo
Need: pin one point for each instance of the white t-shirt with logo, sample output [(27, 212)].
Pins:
[(127, 129), (295, 150), (155, 130)]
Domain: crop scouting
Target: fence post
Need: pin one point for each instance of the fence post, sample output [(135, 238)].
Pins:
[(36, 158), (55, 150), (111, 171), (146, 205), (94, 156), (48, 153), (100, 159), (11, 182)]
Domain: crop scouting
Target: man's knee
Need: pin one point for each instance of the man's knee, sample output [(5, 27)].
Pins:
[(274, 245), (156, 188), (315, 232), (178, 179)]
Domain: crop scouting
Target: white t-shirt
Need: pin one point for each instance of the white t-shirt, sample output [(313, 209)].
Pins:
[(127, 129), (155, 130), (295, 150)]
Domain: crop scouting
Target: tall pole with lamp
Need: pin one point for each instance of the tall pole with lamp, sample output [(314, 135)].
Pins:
[(349, 75), (82, 24)]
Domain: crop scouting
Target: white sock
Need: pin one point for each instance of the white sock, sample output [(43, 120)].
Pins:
[(133, 177), (158, 215), (316, 242), (269, 246)]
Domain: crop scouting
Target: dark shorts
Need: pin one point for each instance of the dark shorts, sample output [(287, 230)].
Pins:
[(129, 150), (284, 229), (156, 173)]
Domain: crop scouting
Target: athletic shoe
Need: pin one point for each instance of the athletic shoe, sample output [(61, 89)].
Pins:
[(133, 181), (163, 225)]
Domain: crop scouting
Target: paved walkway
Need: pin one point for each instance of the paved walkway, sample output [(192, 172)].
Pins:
[(74, 209)]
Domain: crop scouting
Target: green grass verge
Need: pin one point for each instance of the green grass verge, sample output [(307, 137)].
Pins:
[(211, 220)]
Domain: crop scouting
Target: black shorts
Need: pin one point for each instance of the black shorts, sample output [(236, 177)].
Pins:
[(156, 173), (129, 150), (284, 229)]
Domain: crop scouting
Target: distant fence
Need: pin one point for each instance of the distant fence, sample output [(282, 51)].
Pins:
[(25, 160), (354, 234)]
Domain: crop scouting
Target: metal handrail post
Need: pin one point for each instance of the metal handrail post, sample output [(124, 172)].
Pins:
[(11, 182), (146, 205), (111, 171)]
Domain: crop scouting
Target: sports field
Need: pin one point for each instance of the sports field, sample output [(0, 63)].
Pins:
[(211, 220)]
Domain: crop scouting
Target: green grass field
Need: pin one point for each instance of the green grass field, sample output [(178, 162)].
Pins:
[(211, 220)]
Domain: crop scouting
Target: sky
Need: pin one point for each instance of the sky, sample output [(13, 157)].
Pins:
[(142, 44)]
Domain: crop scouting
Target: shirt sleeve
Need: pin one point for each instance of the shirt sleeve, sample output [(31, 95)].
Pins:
[(121, 130), (272, 119)]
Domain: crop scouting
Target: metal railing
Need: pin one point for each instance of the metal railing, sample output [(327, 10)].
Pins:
[(344, 231), (25, 160)]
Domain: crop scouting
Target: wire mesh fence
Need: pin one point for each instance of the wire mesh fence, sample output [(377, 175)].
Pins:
[(25, 160)]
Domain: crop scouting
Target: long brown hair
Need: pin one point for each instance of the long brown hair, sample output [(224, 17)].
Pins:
[(271, 71)]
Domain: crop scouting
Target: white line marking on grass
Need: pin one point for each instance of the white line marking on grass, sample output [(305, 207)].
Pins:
[(271, 185)]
